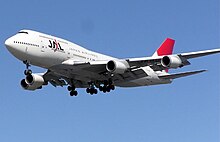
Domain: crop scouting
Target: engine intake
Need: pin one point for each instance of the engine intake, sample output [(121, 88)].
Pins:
[(171, 62), (116, 67), (32, 82)]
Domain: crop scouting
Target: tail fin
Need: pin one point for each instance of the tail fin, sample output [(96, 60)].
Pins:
[(166, 48)]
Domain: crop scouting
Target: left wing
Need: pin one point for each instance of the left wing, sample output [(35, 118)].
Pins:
[(81, 73), (163, 59), (156, 63)]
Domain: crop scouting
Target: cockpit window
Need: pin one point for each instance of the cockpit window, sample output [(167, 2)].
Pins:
[(23, 32)]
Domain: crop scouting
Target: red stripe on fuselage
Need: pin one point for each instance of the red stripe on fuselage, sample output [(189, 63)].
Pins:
[(56, 45)]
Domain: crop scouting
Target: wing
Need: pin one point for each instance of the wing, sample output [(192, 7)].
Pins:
[(80, 73), (155, 62), (199, 53), (54, 79), (178, 75)]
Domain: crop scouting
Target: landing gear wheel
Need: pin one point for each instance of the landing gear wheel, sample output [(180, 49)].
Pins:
[(91, 91), (108, 89), (92, 88), (112, 87), (95, 91), (73, 93), (70, 88), (27, 72), (100, 88), (87, 90)]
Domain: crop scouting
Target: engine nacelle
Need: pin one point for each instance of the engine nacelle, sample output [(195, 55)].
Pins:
[(32, 82), (116, 67), (171, 62)]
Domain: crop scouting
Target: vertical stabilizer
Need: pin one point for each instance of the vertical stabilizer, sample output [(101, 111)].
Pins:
[(166, 48)]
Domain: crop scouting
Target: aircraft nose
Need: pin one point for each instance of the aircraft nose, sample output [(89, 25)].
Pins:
[(8, 43)]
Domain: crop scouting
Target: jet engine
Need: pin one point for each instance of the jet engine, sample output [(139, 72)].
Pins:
[(116, 67), (171, 61), (32, 82)]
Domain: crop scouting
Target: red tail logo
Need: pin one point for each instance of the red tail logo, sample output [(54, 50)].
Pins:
[(166, 47)]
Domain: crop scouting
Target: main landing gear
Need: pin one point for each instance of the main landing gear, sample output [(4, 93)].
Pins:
[(91, 90), (72, 90), (106, 86)]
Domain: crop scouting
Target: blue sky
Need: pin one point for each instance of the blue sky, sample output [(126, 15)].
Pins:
[(185, 111)]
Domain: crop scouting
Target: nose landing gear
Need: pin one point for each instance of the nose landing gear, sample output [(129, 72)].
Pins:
[(27, 71)]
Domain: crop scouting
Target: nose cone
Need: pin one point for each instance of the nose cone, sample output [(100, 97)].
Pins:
[(8, 43), (18, 50)]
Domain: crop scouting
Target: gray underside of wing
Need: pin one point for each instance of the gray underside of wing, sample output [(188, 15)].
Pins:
[(54, 79), (153, 62), (83, 73), (178, 75)]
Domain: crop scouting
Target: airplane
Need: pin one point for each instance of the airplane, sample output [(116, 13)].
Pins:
[(71, 65)]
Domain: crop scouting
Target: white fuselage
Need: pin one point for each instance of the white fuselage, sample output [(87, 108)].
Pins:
[(46, 51)]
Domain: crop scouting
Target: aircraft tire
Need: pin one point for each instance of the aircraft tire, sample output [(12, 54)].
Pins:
[(87, 90), (100, 88), (95, 91), (73, 93), (69, 88), (112, 87), (108, 89), (27, 72)]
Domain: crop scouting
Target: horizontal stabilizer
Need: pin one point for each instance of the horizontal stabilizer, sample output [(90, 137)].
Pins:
[(178, 75)]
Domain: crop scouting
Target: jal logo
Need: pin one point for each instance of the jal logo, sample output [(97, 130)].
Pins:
[(55, 45)]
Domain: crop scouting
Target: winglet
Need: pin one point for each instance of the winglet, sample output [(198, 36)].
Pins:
[(166, 48)]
